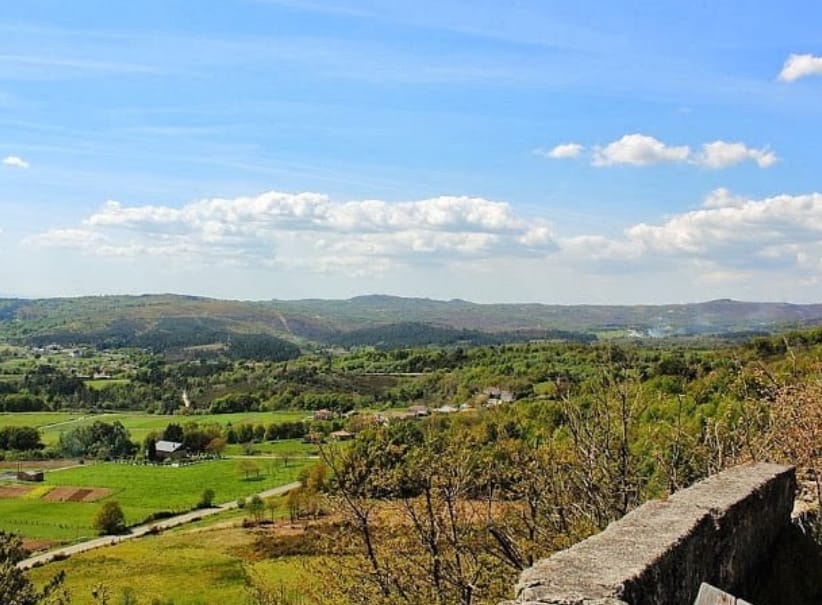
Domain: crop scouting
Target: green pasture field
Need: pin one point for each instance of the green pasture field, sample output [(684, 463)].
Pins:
[(17, 365), (140, 490), (101, 384), (138, 424), (287, 447), (187, 566)]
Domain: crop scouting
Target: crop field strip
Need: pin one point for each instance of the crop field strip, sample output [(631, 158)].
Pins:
[(76, 494), (14, 491)]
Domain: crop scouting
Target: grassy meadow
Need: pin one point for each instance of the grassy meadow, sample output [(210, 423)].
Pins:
[(189, 566), (101, 384), (140, 490), (292, 448)]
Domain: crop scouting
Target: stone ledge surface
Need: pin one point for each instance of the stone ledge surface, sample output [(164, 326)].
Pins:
[(718, 531)]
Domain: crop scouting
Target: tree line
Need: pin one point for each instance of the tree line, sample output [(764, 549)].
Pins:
[(111, 440)]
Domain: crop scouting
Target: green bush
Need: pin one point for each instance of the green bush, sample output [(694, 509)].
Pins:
[(110, 519), (206, 499)]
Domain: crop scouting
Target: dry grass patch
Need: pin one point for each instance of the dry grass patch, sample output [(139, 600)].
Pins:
[(35, 545), (38, 492)]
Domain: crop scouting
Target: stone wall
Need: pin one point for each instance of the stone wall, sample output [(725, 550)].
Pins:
[(718, 531)]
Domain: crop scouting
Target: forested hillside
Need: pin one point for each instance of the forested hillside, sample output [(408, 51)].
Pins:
[(170, 322)]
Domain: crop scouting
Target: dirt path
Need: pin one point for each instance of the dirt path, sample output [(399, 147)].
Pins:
[(73, 420), (50, 466), (65, 468), (141, 530)]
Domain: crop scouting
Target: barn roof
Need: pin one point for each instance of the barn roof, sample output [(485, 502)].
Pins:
[(168, 447)]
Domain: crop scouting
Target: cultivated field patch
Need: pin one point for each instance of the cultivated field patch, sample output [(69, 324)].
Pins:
[(14, 491), (77, 494)]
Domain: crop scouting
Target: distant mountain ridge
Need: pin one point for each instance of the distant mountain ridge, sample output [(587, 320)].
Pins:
[(372, 319)]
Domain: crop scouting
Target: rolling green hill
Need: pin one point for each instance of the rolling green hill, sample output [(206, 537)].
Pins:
[(166, 322)]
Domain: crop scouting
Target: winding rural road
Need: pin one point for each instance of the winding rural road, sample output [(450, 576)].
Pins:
[(141, 530)]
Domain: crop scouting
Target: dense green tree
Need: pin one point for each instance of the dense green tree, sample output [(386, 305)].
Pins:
[(150, 447), (197, 438), (245, 433), (238, 402), (20, 438), (207, 498), (110, 519), (21, 402), (173, 432), (285, 430), (262, 347), (98, 440)]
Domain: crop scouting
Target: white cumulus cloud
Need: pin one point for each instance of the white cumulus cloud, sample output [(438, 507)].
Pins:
[(729, 240), (729, 232), (309, 230), (565, 151), (720, 154), (15, 162), (723, 198), (639, 150), (800, 66), (645, 150)]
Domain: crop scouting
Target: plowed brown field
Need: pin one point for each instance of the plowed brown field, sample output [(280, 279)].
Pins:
[(76, 494)]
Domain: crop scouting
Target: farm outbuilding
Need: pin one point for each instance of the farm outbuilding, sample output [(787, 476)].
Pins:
[(170, 450), (35, 476)]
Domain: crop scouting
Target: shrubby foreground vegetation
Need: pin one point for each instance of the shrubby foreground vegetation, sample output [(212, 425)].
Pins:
[(449, 508)]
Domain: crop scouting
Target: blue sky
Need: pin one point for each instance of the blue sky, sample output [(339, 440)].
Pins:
[(585, 152)]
